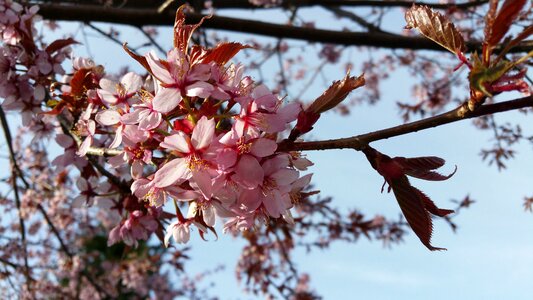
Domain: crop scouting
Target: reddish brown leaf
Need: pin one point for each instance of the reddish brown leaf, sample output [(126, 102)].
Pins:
[(503, 21), (183, 32), (337, 92), (80, 82), (429, 175), (60, 44), (304, 124), (140, 59), (223, 52), (414, 210), (430, 205), (422, 163), (520, 37), (436, 27), (415, 205)]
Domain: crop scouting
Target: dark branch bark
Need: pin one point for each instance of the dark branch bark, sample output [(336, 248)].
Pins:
[(245, 4), (359, 142), (142, 17)]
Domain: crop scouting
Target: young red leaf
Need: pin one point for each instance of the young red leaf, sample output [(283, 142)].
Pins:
[(60, 44), (505, 17), (223, 52), (436, 27), (336, 92), (415, 205), (430, 206), (183, 32), (334, 95), (420, 167), (140, 59), (414, 210), (520, 37), (424, 162)]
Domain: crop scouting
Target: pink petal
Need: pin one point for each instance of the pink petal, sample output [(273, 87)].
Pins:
[(64, 140), (199, 72), (140, 187), (108, 85), (132, 82), (199, 89), (107, 97), (278, 162), (151, 121), (118, 138), (285, 176), (226, 158), (290, 111), (135, 116), (108, 117), (249, 173), (177, 142), (203, 181), (166, 100), (158, 70), (172, 172), (203, 133), (250, 200), (263, 147), (84, 147), (209, 215), (137, 169), (81, 183), (274, 204)]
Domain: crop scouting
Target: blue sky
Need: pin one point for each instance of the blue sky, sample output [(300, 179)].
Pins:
[(491, 256)]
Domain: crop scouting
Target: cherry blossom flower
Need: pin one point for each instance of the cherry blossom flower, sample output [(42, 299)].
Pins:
[(193, 152), (120, 93), (87, 129), (178, 78), (138, 226), (273, 192)]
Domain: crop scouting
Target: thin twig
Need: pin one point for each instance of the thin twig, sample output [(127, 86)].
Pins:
[(92, 152), (357, 19), (153, 41)]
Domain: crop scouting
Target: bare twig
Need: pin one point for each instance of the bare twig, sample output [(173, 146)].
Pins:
[(357, 19), (153, 41)]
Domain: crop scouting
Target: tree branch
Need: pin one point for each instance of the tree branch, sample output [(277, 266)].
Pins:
[(16, 172), (41, 209), (245, 4), (95, 152), (359, 142), (141, 17)]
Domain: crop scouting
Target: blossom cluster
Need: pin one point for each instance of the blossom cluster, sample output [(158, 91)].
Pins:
[(26, 69), (195, 130)]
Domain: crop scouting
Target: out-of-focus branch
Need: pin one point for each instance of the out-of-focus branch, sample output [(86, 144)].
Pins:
[(245, 4), (142, 17), (359, 142), (16, 172), (357, 19)]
